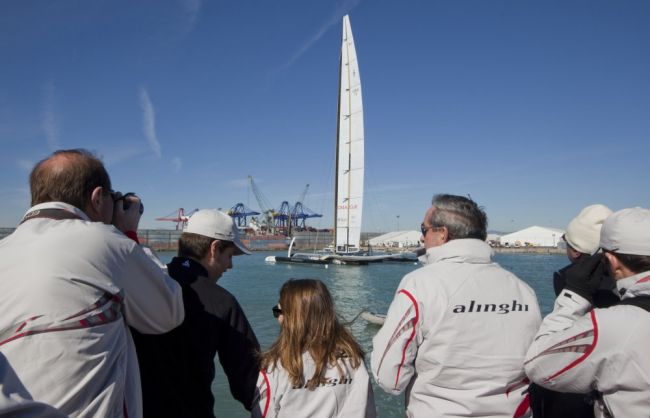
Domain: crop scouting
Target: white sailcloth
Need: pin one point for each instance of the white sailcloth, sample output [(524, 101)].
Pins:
[(350, 148)]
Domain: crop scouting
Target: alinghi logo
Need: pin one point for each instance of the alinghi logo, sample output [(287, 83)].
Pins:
[(502, 308)]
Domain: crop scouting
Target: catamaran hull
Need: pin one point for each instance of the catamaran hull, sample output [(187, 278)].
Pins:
[(354, 260), (280, 259)]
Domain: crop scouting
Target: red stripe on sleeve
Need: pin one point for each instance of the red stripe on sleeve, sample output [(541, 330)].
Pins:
[(133, 235), (523, 407), (643, 280), (268, 393), (408, 342), (587, 352)]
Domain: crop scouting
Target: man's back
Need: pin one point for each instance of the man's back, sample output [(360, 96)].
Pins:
[(179, 365), (66, 288), (473, 323)]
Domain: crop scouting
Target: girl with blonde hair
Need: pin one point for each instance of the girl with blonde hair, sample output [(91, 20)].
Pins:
[(315, 368)]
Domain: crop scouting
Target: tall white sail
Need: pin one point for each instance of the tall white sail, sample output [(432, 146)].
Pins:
[(349, 153)]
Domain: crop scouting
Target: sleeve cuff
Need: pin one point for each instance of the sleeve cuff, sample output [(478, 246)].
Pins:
[(133, 235)]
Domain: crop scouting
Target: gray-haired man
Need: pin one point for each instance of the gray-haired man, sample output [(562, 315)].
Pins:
[(458, 328)]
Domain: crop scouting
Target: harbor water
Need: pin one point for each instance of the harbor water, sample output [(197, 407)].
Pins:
[(256, 284)]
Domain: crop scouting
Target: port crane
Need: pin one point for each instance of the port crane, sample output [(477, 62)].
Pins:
[(267, 210), (287, 216), (240, 214), (300, 213), (282, 218), (180, 218)]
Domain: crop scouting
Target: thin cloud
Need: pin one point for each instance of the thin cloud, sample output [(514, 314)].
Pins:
[(191, 11), (342, 8), (391, 187), (237, 183), (116, 156), (177, 164), (26, 165), (149, 122), (50, 122)]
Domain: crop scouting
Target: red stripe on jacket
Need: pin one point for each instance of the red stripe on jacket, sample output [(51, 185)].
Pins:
[(587, 352), (523, 407), (408, 342), (268, 393), (643, 280)]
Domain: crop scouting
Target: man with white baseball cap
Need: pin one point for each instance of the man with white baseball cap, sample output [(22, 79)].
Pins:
[(215, 224), (178, 368), (582, 349)]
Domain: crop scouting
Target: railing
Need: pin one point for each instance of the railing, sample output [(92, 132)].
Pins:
[(159, 239)]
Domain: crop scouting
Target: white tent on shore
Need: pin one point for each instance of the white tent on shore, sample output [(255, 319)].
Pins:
[(397, 239), (536, 236)]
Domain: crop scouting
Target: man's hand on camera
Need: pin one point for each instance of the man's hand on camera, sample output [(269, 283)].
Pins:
[(584, 277), (127, 220)]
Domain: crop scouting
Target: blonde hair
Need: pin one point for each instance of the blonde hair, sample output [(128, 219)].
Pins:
[(310, 324)]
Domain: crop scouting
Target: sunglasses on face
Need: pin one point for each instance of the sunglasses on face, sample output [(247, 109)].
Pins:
[(276, 311), (424, 229)]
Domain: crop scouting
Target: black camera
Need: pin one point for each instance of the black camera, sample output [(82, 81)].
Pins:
[(126, 204)]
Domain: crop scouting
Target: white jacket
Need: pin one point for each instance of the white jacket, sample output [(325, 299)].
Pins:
[(68, 290), (347, 397), (15, 402), (579, 350), (456, 334)]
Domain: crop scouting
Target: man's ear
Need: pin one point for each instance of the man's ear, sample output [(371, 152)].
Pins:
[(94, 207), (215, 247), (615, 266), (445, 234)]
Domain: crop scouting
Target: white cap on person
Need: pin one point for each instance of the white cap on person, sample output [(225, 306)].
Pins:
[(583, 232), (218, 225), (627, 232)]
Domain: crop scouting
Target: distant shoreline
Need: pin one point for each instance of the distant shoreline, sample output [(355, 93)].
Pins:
[(166, 240), (529, 250)]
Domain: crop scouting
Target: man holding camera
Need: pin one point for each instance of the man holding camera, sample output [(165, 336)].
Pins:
[(71, 280), (602, 351)]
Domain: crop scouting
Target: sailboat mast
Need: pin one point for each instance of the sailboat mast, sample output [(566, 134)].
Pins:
[(349, 169), (336, 168)]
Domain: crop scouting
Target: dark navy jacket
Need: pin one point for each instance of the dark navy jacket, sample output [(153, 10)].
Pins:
[(177, 368)]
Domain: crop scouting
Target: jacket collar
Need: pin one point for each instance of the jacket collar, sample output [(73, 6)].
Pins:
[(468, 250), (186, 267), (636, 285), (60, 205)]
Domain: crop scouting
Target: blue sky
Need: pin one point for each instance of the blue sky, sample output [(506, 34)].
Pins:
[(535, 109)]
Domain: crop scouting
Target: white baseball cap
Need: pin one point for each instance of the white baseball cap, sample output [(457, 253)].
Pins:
[(583, 231), (627, 232), (218, 225)]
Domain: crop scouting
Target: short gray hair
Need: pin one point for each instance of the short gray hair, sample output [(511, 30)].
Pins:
[(462, 217)]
